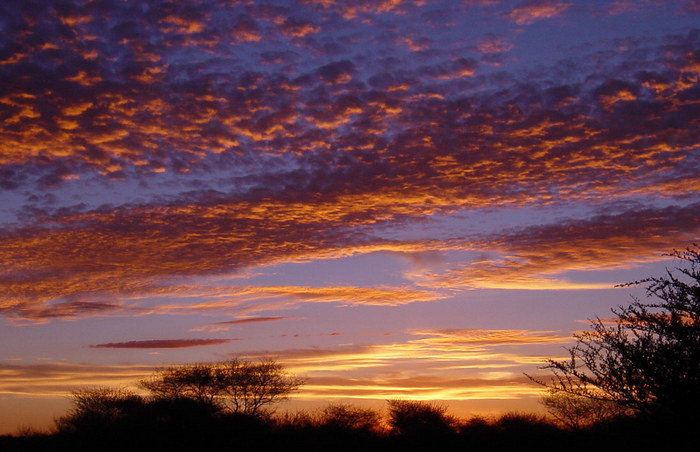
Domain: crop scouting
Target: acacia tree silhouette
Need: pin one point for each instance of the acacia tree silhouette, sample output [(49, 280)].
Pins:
[(647, 360), (236, 386)]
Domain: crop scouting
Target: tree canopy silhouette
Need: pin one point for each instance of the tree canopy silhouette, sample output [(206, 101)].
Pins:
[(236, 386), (647, 359)]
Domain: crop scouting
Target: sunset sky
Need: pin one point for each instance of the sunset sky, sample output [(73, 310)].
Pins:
[(393, 198)]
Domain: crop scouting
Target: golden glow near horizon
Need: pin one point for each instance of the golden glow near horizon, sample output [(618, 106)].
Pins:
[(395, 198)]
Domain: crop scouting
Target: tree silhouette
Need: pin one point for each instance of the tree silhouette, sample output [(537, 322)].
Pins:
[(647, 359), (248, 387), (192, 381), (417, 418), (236, 386)]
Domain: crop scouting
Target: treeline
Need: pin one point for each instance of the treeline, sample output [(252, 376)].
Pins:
[(132, 423)]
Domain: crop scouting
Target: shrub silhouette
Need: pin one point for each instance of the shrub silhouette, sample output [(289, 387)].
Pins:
[(352, 418), (524, 424), (417, 418), (100, 408)]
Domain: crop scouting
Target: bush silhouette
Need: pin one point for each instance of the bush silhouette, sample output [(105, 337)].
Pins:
[(351, 418), (101, 408), (417, 418)]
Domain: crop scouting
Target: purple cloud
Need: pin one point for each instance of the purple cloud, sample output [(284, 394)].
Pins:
[(164, 343)]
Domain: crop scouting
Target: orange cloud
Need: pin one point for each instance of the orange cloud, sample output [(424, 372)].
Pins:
[(63, 378), (298, 28), (96, 262), (493, 44), (535, 258), (420, 367), (489, 337), (320, 160), (448, 365), (60, 379), (421, 388), (180, 24), (531, 11), (87, 282), (389, 296)]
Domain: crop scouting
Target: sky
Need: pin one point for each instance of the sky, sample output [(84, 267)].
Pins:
[(393, 198)]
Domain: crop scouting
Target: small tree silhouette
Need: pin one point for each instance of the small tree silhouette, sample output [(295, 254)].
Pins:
[(648, 361)]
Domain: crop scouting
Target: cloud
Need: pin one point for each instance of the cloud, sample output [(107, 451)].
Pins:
[(140, 115), (251, 320), (389, 296), (336, 73), (129, 297), (457, 363), (164, 343), (536, 257), (313, 137), (220, 149), (41, 313), (626, 6), (60, 379), (225, 325), (531, 11), (489, 337), (49, 265), (493, 44), (297, 28), (444, 352), (453, 364), (63, 378), (422, 388)]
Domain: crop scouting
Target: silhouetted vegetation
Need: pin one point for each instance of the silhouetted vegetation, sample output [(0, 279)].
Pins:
[(418, 425), (122, 422), (632, 384), (235, 385), (645, 361), (342, 417), (575, 411)]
